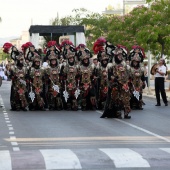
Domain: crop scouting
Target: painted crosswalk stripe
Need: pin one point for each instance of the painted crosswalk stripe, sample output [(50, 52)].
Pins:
[(124, 157), (5, 160), (60, 159), (166, 149)]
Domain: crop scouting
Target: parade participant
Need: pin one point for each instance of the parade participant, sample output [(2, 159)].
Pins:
[(96, 80), (118, 91), (29, 52), (102, 73), (88, 94), (36, 91), (71, 77), (139, 50), (53, 83), (80, 48), (103, 79), (67, 46), (52, 48), (137, 82), (160, 71), (18, 73)]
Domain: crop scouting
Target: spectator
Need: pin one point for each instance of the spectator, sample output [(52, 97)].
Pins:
[(160, 73), (146, 72)]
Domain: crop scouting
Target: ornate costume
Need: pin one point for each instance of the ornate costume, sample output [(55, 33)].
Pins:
[(71, 77), (137, 83), (118, 92), (53, 84), (88, 94), (36, 91), (18, 73)]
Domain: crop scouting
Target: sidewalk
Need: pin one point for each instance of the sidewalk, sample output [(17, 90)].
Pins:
[(150, 92)]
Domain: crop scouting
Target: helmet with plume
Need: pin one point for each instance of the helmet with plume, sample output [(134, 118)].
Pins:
[(7, 47), (120, 49), (16, 54), (66, 47), (139, 50), (52, 47), (80, 49), (99, 48), (25, 47)]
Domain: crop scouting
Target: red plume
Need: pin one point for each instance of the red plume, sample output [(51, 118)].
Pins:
[(66, 42), (138, 47), (122, 47), (51, 43), (99, 45), (25, 46), (7, 47), (80, 46)]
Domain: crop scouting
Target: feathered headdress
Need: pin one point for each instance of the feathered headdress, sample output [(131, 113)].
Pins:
[(66, 42), (139, 50), (99, 45), (7, 47), (25, 47), (66, 47), (81, 46)]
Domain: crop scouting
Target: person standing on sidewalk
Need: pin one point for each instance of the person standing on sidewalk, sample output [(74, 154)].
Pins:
[(160, 73), (146, 72)]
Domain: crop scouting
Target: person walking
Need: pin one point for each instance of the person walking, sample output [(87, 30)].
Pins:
[(146, 72), (160, 73)]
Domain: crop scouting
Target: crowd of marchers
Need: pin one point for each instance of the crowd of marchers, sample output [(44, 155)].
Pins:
[(109, 79)]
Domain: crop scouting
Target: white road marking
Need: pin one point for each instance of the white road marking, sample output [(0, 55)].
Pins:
[(10, 128), (5, 160), (124, 158), (12, 137), (16, 149), (14, 143), (11, 133), (9, 125), (141, 129), (60, 159), (166, 149)]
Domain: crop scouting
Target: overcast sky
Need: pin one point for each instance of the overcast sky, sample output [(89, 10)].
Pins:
[(17, 15)]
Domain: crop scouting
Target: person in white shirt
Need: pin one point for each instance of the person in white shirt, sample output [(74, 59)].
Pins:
[(160, 73)]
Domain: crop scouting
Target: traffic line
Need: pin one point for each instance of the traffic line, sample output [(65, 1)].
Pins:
[(166, 149), (141, 129), (60, 159), (5, 160), (125, 158), (10, 127)]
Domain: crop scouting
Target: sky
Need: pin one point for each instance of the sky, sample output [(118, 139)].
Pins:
[(18, 15)]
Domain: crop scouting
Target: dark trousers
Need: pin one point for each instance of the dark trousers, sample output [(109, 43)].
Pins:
[(160, 88), (146, 79)]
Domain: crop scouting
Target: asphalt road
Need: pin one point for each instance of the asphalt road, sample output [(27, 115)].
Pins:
[(82, 140)]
